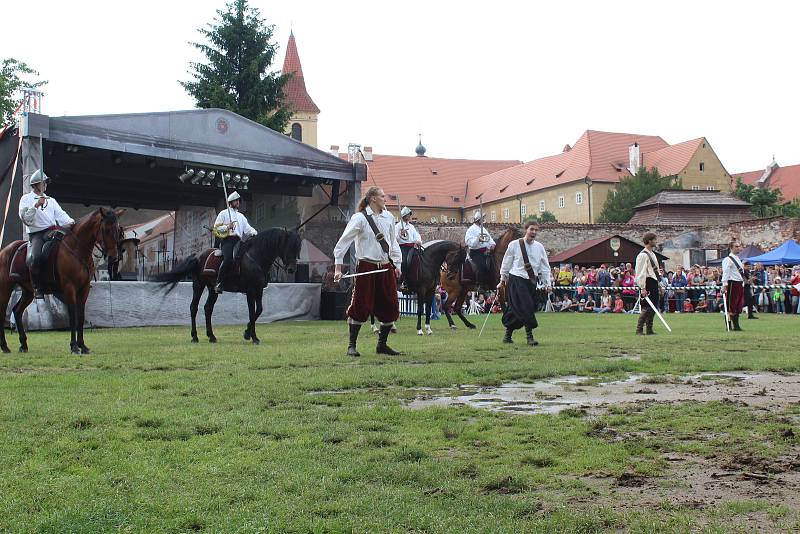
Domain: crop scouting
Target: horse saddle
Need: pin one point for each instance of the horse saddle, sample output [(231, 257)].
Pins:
[(19, 271), (214, 260)]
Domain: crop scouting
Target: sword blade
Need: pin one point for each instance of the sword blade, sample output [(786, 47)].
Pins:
[(650, 302), (353, 275)]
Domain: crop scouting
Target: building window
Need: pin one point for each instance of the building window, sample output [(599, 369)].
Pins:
[(523, 209), (561, 202), (579, 198), (711, 188), (297, 131), (695, 188), (541, 205), (493, 216), (506, 214), (702, 166)]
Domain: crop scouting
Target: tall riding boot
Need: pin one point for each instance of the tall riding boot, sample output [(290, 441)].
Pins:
[(750, 311), (735, 320), (38, 290), (507, 337), (351, 348), (529, 336), (640, 324), (223, 270), (382, 347), (649, 323)]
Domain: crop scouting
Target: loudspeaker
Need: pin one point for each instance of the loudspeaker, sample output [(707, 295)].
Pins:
[(333, 305), (301, 274)]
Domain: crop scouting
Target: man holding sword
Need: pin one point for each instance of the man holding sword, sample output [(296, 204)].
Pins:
[(371, 229), (231, 227), (647, 280), (733, 284)]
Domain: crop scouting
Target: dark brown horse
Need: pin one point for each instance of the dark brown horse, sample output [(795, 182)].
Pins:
[(257, 256), (72, 264), (457, 292), (424, 285)]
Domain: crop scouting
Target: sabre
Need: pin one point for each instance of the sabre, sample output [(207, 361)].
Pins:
[(353, 275), (650, 302), (484, 323), (725, 307)]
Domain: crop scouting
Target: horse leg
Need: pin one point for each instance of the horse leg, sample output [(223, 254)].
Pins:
[(420, 311), (197, 292), (5, 296), (70, 299), (19, 308), (209, 309), (80, 318), (428, 304), (250, 311), (459, 302), (259, 307)]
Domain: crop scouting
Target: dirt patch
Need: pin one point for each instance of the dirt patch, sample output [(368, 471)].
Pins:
[(761, 390)]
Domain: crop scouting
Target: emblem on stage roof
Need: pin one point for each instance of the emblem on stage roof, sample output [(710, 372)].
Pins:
[(222, 126)]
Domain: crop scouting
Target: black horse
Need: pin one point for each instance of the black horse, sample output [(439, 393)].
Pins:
[(257, 256), (424, 285)]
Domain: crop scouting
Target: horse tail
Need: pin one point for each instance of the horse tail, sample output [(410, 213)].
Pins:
[(171, 278)]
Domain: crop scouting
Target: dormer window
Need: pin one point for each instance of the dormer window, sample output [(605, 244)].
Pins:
[(421, 198)]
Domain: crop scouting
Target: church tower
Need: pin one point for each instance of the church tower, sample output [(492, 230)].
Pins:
[(303, 124)]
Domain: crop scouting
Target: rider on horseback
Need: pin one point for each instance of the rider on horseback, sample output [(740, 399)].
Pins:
[(408, 238), (480, 245), (231, 227), (40, 214)]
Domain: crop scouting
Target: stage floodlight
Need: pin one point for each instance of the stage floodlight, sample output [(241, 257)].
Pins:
[(186, 175)]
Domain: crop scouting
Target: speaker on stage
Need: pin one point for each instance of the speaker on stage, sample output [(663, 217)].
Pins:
[(301, 274)]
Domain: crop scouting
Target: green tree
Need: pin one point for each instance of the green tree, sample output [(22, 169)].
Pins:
[(237, 75), (11, 82), (766, 202), (633, 190), (544, 217)]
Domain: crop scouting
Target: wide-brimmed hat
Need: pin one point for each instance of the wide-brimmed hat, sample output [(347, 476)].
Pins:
[(234, 196), (405, 211), (38, 177)]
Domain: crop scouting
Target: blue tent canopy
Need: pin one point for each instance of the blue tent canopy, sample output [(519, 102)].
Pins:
[(747, 252), (786, 254)]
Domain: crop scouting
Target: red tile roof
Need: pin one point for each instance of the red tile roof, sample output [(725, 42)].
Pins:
[(672, 159), (295, 89), (787, 179), (438, 181), (602, 156)]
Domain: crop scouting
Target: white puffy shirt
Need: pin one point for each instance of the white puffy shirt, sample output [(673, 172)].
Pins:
[(730, 270), (471, 238), (513, 263), (644, 268), (359, 232), (38, 219), (242, 228), (413, 235)]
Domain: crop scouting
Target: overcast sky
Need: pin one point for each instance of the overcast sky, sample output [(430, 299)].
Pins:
[(488, 80)]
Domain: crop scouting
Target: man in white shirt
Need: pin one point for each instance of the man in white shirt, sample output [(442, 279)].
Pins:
[(647, 280), (520, 280), (39, 214), (733, 283), (231, 227), (375, 249), (480, 245), (408, 238)]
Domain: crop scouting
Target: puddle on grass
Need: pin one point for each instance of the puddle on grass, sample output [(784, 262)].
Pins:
[(766, 390)]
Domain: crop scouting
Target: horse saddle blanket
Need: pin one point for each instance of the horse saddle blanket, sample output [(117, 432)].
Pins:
[(18, 270), (214, 260), (467, 273)]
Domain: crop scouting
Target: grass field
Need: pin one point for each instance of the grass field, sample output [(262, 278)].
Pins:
[(150, 433)]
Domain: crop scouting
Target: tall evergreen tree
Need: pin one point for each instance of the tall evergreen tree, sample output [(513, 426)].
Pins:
[(11, 83), (633, 190), (237, 75)]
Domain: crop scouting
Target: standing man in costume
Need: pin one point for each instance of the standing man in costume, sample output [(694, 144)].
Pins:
[(733, 283), (647, 280), (372, 231), (231, 227), (408, 238), (480, 245), (524, 266), (39, 213)]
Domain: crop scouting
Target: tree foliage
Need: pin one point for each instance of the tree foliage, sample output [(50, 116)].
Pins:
[(633, 190), (12, 80), (544, 217), (237, 74), (766, 202)]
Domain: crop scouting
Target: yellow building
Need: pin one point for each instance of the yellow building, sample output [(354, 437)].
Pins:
[(574, 184)]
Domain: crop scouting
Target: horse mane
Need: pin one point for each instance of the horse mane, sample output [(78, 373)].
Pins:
[(272, 241)]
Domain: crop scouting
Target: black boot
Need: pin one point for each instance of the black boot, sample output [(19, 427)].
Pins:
[(750, 313), (529, 336), (223, 270), (382, 347), (649, 323), (351, 348), (735, 320), (507, 337), (38, 290), (640, 324)]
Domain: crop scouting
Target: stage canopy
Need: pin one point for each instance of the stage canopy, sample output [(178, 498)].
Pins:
[(747, 252), (786, 254)]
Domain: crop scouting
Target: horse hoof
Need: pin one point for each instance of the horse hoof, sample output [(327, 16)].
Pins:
[(471, 326), (195, 340), (256, 341), (212, 340), (5, 349), (75, 350), (21, 349), (419, 332), (247, 334), (453, 327), (85, 350)]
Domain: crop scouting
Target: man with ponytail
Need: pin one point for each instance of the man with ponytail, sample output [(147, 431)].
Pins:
[(371, 229)]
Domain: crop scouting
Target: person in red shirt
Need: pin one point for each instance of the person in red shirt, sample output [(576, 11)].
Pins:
[(795, 280), (687, 306)]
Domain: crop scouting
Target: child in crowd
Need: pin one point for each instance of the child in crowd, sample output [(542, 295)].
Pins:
[(606, 303), (687, 306), (619, 307), (778, 297), (589, 308), (702, 305)]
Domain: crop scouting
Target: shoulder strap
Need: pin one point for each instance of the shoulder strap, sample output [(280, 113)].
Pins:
[(653, 262), (378, 235), (739, 266), (526, 260)]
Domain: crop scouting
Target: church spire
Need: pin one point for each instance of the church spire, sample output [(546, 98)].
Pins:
[(295, 89)]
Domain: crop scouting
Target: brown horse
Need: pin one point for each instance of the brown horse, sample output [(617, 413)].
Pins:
[(457, 292), (73, 267)]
